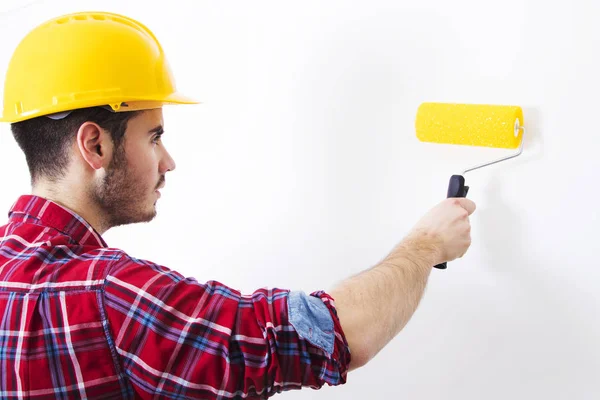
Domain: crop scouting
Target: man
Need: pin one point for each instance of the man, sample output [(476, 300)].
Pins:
[(84, 95)]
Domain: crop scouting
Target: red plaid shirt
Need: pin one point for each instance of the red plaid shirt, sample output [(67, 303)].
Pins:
[(81, 320)]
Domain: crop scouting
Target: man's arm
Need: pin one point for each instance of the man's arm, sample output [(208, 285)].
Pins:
[(376, 304), (175, 336)]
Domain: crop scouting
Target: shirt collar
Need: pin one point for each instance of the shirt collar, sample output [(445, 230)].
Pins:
[(41, 211)]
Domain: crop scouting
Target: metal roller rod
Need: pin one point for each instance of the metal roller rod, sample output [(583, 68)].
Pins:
[(518, 153)]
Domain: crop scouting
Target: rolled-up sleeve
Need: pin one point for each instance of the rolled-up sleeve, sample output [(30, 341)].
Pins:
[(176, 337)]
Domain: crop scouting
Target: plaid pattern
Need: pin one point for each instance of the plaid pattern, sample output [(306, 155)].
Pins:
[(79, 319)]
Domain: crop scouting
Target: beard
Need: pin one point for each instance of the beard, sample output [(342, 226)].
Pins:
[(121, 197)]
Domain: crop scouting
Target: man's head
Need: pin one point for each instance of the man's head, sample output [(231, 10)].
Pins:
[(115, 162), (84, 93)]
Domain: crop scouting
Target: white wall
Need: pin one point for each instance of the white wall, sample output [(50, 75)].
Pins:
[(301, 167)]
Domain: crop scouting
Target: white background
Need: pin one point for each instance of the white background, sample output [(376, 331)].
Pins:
[(302, 167)]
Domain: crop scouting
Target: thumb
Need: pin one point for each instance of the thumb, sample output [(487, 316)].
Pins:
[(467, 204)]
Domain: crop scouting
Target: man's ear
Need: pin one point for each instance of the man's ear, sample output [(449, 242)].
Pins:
[(95, 145)]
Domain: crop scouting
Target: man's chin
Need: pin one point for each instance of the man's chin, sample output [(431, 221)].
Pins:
[(141, 218), (149, 216)]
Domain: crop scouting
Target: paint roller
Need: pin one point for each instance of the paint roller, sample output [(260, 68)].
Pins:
[(483, 125)]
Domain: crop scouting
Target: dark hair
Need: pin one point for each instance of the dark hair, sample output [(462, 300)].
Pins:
[(46, 142)]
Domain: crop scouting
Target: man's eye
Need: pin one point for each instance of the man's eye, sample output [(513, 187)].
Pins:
[(156, 139)]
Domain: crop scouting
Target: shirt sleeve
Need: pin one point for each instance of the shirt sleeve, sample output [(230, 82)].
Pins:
[(177, 337)]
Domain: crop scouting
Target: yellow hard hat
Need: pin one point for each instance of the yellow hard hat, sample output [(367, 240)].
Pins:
[(87, 59)]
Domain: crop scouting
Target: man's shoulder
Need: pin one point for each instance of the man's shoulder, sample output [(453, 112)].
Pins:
[(140, 270)]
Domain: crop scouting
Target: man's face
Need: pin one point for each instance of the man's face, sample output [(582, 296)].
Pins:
[(129, 191)]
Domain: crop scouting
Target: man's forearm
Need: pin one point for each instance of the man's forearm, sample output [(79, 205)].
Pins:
[(376, 304)]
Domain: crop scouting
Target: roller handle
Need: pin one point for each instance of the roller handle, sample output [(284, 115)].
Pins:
[(456, 188)]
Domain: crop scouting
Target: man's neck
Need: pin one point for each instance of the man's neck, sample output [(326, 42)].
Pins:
[(73, 199)]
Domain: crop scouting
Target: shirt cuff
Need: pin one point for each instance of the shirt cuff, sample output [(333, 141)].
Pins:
[(316, 321), (312, 320)]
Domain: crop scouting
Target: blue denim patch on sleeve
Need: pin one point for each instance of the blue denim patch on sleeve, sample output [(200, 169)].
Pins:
[(312, 320)]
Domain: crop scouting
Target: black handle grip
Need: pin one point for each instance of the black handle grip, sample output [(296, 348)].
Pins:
[(456, 188)]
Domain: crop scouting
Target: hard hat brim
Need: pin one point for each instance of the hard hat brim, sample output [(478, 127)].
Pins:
[(137, 104)]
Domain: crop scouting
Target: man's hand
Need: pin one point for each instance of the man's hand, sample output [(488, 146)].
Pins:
[(447, 226)]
